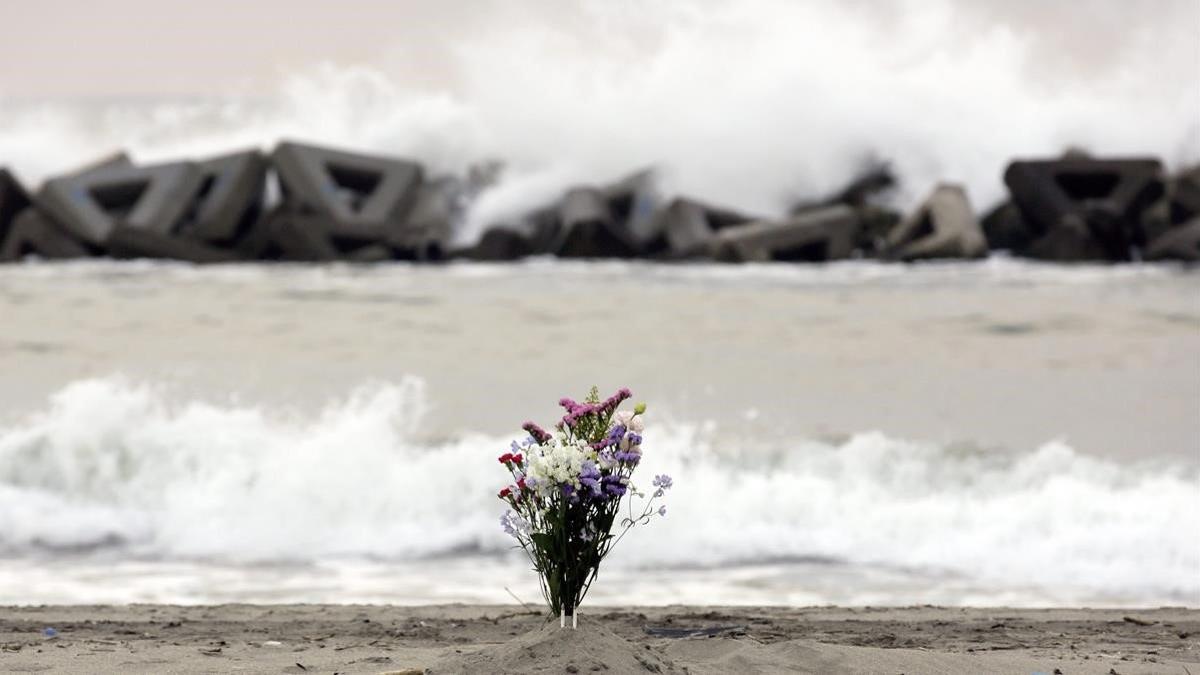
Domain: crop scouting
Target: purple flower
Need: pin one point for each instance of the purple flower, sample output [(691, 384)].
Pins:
[(591, 484), (570, 493), (663, 481), (513, 523), (610, 404), (615, 489), (577, 411), (536, 432), (614, 485), (662, 510)]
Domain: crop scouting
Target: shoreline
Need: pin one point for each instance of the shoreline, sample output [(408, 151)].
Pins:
[(450, 638)]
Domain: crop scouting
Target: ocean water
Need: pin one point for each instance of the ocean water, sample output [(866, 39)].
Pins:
[(999, 432)]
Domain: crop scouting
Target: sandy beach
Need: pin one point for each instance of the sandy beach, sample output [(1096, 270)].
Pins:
[(502, 639)]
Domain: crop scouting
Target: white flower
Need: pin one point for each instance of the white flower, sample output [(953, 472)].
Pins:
[(557, 464), (630, 421)]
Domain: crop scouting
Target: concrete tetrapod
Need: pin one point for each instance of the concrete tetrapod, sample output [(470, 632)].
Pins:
[(362, 196), (91, 204), (1181, 242), (13, 200), (587, 229), (943, 226), (826, 233), (32, 233), (1083, 208), (230, 199), (431, 221)]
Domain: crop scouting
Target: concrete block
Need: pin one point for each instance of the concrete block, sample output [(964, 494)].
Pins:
[(1005, 228), (688, 226), (89, 205), (877, 222), (634, 203), (1069, 241), (875, 179), (13, 200), (541, 229), (362, 196), (827, 233), (1180, 204), (230, 198), (1183, 191), (1181, 242), (619, 220), (371, 253), (133, 242), (284, 234), (943, 226), (534, 234), (32, 233), (40, 234), (497, 244), (431, 222), (587, 228), (1087, 198)]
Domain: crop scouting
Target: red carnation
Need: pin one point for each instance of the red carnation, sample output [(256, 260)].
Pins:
[(518, 458), (506, 458), (505, 493), (521, 483)]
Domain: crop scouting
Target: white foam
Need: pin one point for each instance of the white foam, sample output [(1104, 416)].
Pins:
[(996, 271), (115, 465)]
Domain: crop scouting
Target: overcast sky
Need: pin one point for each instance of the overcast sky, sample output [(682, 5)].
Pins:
[(73, 48), (118, 48)]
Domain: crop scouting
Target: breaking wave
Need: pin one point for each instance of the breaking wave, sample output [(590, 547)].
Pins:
[(118, 468)]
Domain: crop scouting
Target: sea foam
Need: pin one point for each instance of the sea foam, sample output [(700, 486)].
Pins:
[(118, 468)]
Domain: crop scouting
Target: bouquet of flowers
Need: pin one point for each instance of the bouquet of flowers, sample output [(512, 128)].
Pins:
[(567, 491)]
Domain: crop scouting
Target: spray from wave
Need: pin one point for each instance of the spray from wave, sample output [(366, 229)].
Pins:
[(115, 467), (752, 104)]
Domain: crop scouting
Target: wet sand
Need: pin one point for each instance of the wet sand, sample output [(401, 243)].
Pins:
[(461, 638)]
